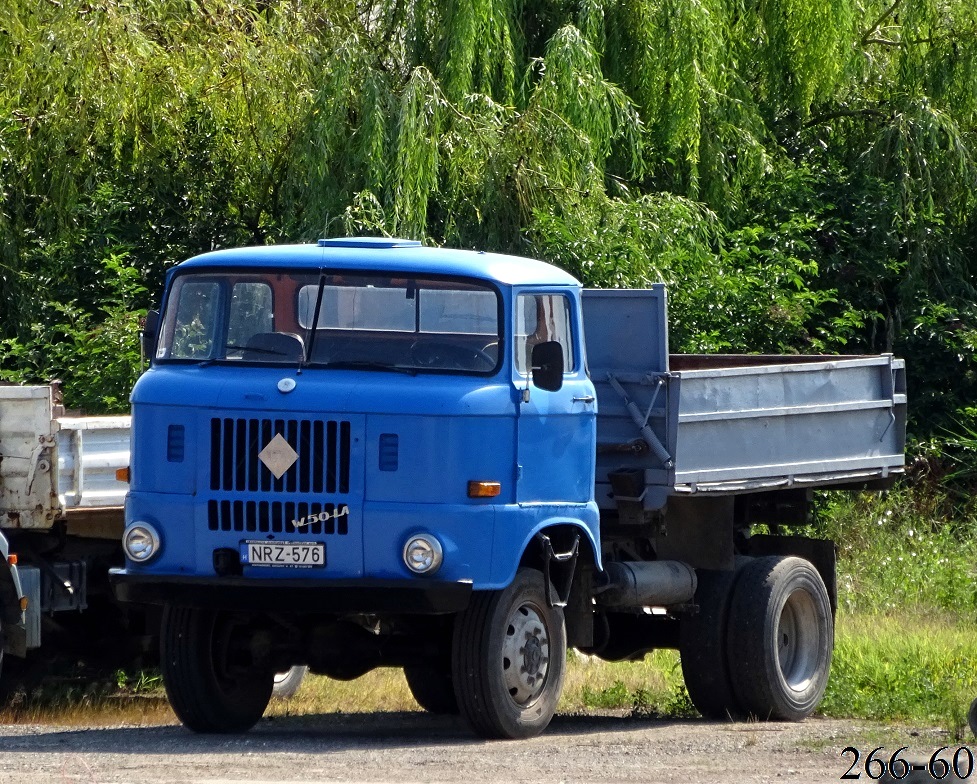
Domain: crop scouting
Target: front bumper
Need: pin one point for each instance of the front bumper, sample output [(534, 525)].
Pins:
[(311, 596)]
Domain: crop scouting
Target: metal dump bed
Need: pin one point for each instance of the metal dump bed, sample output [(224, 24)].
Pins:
[(729, 424), (52, 465)]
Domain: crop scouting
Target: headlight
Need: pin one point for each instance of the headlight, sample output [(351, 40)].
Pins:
[(140, 541), (423, 554)]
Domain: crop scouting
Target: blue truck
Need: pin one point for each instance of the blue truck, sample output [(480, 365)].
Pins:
[(369, 453)]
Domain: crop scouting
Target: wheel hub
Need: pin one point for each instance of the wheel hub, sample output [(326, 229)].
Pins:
[(532, 656), (525, 654), (798, 640)]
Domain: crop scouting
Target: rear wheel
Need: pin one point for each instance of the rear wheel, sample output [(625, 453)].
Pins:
[(432, 688), (703, 644), (781, 634), (210, 679), (508, 659)]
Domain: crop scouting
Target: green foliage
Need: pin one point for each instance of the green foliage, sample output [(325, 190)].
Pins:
[(801, 173), (652, 687), (617, 695), (907, 597), (69, 342), (961, 442), (139, 682), (912, 549)]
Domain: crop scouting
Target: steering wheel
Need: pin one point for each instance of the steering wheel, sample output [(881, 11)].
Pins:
[(438, 354)]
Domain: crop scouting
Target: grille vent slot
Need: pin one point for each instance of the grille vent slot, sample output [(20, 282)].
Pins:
[(322, 446), (389, 457), (267, 517)]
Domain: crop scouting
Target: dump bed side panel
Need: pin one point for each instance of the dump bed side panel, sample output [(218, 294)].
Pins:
[(90, 450), (51, 467), (732, 424), (810, 423)]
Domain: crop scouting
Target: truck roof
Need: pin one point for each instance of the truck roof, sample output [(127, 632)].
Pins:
[(390, 255)]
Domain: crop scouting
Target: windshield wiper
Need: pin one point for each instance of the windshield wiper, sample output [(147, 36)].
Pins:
[(313, 327)]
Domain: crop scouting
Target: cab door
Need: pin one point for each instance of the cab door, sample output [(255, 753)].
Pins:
[(556, 429)]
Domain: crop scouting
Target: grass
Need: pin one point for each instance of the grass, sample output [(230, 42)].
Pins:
[(102, 706), (650, 686), (911, 669), (904, 647), (904, 667), (901, 668)]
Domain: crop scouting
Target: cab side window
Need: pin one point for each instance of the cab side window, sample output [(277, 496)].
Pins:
[(541, 318)]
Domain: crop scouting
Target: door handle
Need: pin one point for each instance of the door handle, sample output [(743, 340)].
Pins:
[(584, 399)]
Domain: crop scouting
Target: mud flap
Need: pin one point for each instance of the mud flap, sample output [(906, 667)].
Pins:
[(558, 569)]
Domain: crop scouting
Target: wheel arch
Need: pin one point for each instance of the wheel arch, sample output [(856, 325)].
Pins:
[(565, 553), (562, 533)]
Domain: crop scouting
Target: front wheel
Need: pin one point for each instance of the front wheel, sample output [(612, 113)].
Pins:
[(211, 680), (508, 659), (781, 634)]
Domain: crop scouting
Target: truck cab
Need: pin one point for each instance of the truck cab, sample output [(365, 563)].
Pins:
[(332, 438)]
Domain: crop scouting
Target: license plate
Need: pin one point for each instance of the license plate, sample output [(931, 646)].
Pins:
[(309, 555)]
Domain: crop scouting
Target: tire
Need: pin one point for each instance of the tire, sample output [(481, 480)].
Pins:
[(433, 689), (972, 717), (205, 691), (287, 683), (703, 641), (781, 634), (508, 659)]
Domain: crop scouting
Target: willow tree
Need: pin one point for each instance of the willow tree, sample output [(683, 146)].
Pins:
[(801, 169)]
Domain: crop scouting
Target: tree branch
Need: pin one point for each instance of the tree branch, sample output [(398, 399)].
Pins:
[(841, 113), (882, 42), (870, 34)]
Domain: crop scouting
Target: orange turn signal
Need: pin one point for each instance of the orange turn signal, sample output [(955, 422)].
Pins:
[(12, 559), (122, 474), (484, 489), (23, 603)]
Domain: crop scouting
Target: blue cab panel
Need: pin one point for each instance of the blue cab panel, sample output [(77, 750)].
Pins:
[(309, 409)]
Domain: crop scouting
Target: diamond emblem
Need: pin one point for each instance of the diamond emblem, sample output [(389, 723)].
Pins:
[(278, 456)]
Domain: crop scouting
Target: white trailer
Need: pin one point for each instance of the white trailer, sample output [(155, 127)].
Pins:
[(62, 496), (61, 511)]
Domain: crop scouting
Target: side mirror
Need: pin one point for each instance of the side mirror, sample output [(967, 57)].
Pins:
[(547, 363), (147, 336)]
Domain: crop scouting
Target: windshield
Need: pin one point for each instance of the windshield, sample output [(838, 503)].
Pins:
[(364, 320)]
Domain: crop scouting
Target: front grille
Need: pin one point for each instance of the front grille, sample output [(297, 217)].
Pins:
[(322, 466), (278, 517)]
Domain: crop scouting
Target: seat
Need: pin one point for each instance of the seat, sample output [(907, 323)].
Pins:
[(274, 347)]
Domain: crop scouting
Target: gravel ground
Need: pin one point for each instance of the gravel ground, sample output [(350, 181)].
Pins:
[(412, 747)]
